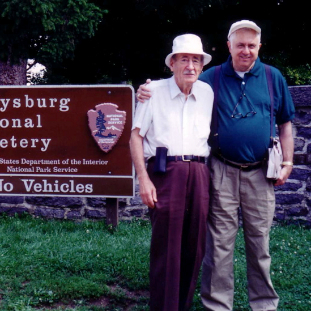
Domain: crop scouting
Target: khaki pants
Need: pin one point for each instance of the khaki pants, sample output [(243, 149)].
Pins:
[(233, 188)]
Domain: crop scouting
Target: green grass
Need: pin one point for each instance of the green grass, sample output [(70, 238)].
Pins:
[(44, 262), (89, 266)]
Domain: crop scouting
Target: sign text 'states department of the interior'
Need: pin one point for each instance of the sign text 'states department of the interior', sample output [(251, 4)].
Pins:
[(66, 141)]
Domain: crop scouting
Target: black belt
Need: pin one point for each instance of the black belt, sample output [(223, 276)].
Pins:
[(184, 158), (241, 166)]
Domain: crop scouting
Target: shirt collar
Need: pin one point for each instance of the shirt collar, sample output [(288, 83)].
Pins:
[(175, 90), (228, 68)]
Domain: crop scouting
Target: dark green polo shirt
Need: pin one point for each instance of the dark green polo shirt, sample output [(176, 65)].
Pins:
[(245, 140)]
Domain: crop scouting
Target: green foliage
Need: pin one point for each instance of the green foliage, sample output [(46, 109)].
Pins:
[(132, 41), (299, 75), (294, 74), (45, 29), (134, 38), (108, 41)]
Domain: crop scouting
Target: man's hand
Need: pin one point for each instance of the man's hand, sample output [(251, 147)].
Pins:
[(146, 188), (143, 93), (285, 172), (147, 191)]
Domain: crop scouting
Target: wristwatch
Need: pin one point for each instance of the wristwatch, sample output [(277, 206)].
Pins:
[(288, 163)]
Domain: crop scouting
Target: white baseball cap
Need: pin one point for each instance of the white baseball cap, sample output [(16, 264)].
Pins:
[(190, 44), (243, 24)]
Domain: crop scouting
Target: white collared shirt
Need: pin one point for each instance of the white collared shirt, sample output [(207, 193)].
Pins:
[(169, 119)]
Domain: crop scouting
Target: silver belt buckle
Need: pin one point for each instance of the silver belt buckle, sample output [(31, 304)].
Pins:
[(184, 160), (244, 166)]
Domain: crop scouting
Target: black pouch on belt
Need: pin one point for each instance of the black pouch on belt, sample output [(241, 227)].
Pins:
[(160, 160)]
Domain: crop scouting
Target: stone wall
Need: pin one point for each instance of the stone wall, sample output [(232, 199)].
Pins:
[(293, 199), (71, 208)]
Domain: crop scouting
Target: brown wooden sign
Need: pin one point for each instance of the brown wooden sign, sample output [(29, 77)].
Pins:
[(66, 141)]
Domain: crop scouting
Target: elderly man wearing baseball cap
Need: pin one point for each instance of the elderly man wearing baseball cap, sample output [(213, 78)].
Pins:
[(170, 132), (241, 136)]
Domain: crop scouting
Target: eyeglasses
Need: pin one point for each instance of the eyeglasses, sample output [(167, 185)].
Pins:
[(240, 115)]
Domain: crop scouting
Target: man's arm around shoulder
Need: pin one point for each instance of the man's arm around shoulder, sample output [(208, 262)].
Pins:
[(146, 187), (208, 76)]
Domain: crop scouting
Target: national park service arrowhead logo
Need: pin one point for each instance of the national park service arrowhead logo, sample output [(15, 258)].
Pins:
[(106, 124)]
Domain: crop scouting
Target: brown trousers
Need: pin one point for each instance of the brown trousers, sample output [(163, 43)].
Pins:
[(178, 234)]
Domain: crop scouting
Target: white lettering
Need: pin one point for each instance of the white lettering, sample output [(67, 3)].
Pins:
[(17, 123), (52, 101), (28, 184), (16, 103), (7, 187), (63, 104), (29, 102), (46, 143), (45, 186), (8, 161), (4, 102), (33, 142), (43, 105), (25, 143), (4, 123), (3, 143)]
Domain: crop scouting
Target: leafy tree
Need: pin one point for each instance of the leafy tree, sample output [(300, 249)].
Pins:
[(135, 36), (45, 30), (132, 41)]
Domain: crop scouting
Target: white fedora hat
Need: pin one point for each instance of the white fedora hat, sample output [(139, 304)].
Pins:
[(243, 24), (190, 44)]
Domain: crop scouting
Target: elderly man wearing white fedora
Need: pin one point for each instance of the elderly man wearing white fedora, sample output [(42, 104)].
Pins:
[(170, 132)]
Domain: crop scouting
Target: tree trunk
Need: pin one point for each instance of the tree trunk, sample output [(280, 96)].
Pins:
[(13, 74)]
